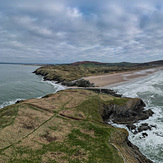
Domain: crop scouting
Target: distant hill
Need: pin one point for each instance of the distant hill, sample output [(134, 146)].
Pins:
[(93, 63), (120, 64), (87, 62), (153, 63)]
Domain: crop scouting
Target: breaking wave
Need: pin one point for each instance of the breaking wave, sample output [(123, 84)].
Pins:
[(150, 89)]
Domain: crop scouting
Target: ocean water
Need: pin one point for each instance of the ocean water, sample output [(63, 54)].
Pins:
[(17, 82), (150, 89)]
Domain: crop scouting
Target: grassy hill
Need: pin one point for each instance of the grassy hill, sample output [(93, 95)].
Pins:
[(100, 64), (64, 127), (120, 64), (75, 71)]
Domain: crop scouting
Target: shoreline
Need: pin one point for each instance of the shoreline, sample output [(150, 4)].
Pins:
[(122, 78), (111, 80)]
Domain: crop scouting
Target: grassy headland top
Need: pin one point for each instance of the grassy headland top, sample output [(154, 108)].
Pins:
[(64, 127), (75, 71)]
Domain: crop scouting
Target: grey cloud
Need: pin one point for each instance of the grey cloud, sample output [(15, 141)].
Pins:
[(69, 30)]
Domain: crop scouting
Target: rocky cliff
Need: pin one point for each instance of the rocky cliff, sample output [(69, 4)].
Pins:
[(68, 126)]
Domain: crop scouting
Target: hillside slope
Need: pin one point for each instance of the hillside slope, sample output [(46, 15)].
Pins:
[(64, 127)]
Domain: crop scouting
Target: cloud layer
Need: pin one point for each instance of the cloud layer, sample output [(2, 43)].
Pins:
[(68, 30)]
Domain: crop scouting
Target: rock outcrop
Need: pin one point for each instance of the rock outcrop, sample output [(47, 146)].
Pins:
[(59, 79), (127, 112), (78, 83), (142, 127), (105, 91)]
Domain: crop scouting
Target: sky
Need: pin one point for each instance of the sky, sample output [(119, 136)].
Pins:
[(66, 31)]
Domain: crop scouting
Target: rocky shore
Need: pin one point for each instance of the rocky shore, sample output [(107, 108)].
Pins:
[(128, 114), (58, 79)]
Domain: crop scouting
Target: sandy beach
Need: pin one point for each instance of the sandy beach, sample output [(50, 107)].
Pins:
[(111, 80)]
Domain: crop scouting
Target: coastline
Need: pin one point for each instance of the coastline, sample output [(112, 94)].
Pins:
[(46, 114), (121, 78), (111, 80)]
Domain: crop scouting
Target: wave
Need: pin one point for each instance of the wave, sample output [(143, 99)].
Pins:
[(150, 89), (57, 87), (4, 104), (150, 85)]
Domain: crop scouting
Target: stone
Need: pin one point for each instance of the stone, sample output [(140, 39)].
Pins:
[(128, 113), (144, 127)]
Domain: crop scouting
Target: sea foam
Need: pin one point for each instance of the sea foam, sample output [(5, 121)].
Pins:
[(57, 87), (4, 104), (150, 89)]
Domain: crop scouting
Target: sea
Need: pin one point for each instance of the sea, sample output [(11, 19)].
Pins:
[(150, 89), (17, 82)]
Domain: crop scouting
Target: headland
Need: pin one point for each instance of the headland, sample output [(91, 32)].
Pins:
[(72, 125), (69, 126)]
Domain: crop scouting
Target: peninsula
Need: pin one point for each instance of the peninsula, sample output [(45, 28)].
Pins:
[(68, 126), (91, 74)]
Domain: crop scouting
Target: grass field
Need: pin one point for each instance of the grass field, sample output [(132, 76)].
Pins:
[(62, 127)]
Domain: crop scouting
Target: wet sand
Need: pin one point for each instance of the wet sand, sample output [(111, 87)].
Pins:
[(111, 80)]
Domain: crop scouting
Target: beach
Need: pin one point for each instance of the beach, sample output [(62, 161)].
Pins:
[(147, 85), (115, 79)]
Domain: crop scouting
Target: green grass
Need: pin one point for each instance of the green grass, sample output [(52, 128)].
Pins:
[(91, 107), (119, 101), (85, 140), (7, 115)]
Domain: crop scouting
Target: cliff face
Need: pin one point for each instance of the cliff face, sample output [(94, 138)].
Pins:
[(67, 126), (126, 111)]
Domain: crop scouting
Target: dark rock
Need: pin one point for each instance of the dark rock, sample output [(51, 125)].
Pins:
[(84, 83), (105, 91), (69, 84), (144, 127), (144, 134), (17, 101), (131, 127), (78, 83), (153, 126), (128, 112), (150, 112)]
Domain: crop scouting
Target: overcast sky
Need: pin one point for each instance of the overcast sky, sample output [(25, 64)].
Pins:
[(64, 31)]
